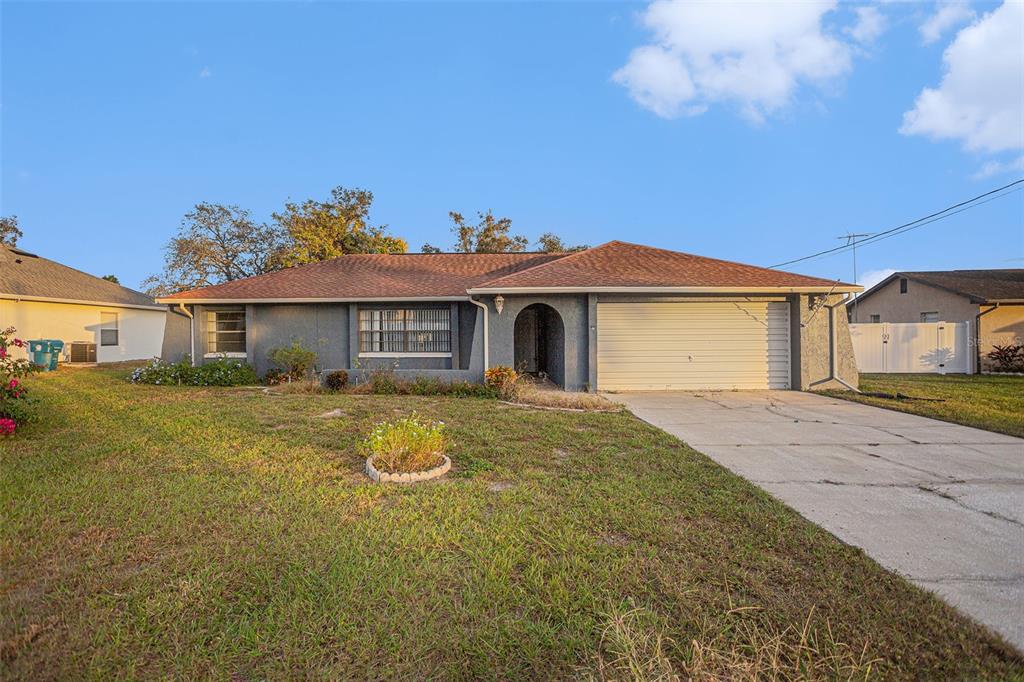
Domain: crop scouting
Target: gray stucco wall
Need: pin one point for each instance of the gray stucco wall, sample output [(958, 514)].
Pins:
[(322, 327), (177, 338), (572, 308), (891, 306), (811, 350)]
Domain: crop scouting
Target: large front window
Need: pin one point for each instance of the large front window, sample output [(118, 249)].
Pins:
[(225, 330), (395, 331)]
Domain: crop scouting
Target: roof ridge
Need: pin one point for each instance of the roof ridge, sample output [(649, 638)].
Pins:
[(16, 250), (563, 259)]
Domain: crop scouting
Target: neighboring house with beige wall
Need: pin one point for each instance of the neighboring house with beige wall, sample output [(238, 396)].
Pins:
[(991, 300), (98, 321)]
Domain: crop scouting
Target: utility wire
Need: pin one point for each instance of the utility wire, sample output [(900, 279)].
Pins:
[(914, 224)]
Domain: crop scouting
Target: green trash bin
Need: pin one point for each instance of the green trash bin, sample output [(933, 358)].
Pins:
[(56, 346), (39, 354)]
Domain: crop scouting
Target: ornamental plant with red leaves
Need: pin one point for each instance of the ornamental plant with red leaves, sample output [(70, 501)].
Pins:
[(16, 407)]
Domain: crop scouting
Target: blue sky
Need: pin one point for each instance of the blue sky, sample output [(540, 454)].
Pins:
[(746, 137)]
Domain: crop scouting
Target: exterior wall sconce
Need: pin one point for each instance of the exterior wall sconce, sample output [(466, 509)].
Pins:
[(499, 303)]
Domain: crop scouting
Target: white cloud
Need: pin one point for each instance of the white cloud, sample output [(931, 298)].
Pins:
[(870, 24), (205, 72), (1000, 167), (948, 15), (873, 277), (981, 98), (752, 54)]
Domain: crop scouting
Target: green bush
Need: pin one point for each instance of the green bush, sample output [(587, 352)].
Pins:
[(295, 361), (383, 382), (336, 380), (406, 445), (221, 372)]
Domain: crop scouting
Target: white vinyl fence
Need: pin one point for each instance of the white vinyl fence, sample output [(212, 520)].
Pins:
[(935, 347)]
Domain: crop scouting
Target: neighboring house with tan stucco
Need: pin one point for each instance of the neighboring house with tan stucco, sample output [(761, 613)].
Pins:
[(98, 320), (991, 300)]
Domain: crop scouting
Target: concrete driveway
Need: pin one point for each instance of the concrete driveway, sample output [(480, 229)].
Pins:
[(941, 504)]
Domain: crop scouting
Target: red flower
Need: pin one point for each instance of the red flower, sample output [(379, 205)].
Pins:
[(3, 352), (18, 343), (13, 385), (7, 426)]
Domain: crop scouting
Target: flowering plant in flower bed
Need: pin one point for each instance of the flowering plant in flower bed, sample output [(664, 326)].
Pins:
[(406, 445), (16, 407), (221, 372)]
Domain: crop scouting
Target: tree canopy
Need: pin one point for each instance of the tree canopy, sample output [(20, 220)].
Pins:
[(549, 242), (9, 232), (111, 278), (318, 230), (215, 244), (491, 235)]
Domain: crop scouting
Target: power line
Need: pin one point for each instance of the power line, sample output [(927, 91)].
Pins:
[(914, 224)]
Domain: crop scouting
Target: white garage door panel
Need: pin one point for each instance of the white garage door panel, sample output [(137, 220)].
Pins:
[(719, 345)]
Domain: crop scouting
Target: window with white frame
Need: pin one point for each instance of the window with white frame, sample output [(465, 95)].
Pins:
[(108, 329), (225, 330), (930, 317), (396, 331)]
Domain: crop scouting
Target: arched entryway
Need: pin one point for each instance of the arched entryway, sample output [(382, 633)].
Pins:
[(539, 342)]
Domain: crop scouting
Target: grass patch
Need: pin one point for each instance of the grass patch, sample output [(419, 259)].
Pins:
[(215, 532), (984, 401), (529, 394)]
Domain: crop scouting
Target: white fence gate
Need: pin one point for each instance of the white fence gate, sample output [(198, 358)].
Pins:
[(935, 347)]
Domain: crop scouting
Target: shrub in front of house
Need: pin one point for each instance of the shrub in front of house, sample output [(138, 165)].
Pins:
[(406, 445), (221, 372), (16, 406), (336, 380), (294, 361), (505, 380), (1009, 358)]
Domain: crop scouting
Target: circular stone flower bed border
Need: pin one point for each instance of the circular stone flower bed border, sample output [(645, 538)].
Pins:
[(414, 477)]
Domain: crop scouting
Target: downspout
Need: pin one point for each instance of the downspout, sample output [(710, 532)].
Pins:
[(832, 351), (487, 352), (977, 336), (191, 332)]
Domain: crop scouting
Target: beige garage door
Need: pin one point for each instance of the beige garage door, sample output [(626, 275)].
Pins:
[(712, 345)]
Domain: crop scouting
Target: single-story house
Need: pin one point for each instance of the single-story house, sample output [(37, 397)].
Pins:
[(992, 301), (98, 321), (615, 317)]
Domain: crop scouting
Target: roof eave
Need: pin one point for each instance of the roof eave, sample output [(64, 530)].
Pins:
[(819, 289), (75, 301), (348, 299)]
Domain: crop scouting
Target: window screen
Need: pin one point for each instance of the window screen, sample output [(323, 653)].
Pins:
[(390, 330), (225, 330), (930, 317), (876, 318), (108, 329)]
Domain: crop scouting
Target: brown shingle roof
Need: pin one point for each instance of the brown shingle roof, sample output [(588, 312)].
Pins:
[(620, 264), (29, 276), (360, 276), (981, 285), (420, 275)]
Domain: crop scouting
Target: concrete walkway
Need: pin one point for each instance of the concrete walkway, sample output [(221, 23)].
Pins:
[(941, 504)]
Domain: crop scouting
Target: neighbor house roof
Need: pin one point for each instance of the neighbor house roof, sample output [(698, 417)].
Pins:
[(615, 265), (621, 265), (981, 286), (26, 276)]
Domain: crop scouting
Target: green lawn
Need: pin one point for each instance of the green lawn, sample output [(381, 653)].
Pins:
[(179, 532), (995, 403)]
